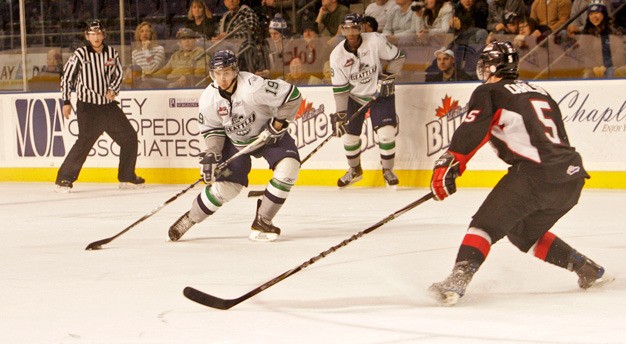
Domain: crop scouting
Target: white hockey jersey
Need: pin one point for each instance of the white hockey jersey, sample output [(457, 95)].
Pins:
[(246, 114), (358, 73)]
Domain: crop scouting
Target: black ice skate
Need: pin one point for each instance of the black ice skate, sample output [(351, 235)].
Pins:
[(353, 175), (136, 183), (450, 290), (262, 229), (589, 273), (64, 186), (390, 178), (180, 227)]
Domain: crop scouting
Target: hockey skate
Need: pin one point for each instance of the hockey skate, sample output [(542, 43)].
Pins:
[(390, 178), (353, 175), (180, 227), (64, 186), (450, 290), (262, 229), (138, 182), (589, 273)]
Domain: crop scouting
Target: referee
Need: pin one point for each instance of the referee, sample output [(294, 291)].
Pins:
[(94, 71)]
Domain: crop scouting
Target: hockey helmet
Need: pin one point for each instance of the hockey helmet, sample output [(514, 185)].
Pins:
[(352, 20), (223, 59), (498, 59), (95, 27)]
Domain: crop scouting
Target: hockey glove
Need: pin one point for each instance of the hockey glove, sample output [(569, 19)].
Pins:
[(209, 164), (386, 85), (274, 135), (338, 121), (445, 172)]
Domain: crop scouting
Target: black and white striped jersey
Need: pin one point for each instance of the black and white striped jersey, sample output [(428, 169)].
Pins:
[(91, 74), (524, 125)]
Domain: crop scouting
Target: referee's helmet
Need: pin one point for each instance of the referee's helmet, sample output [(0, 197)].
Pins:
[(95, 27)]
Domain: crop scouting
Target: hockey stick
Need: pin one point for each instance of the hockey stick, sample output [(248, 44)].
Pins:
[(96, 245), (361, 110), (224, 304)]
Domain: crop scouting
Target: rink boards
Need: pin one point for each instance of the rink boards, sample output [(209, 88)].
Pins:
[(36, 137)]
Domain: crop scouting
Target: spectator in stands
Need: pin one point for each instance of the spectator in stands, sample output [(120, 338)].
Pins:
[(185, 67), (369, 24), (279, 44), (498, 9), (315, 49), (552, 13), (400, 22), (330, 17), (49, 77), (148, 56), (470, 22), (269, 9), (580, 7), (379, 9), (601, 49), (242, 23), (511, 27), (326, 80), (297, 76), (200, 19), (447, 68), (433, 18), (529, 29)]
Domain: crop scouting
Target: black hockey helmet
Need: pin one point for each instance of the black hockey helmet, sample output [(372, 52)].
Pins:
[(223, 59), (95, 27), (499, 59)]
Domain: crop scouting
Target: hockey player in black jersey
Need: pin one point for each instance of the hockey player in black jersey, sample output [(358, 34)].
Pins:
[(544, 180)]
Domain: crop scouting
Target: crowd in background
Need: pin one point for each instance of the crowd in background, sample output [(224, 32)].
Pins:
[(171, 41)]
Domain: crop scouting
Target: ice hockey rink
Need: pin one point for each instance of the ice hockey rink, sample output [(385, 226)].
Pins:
[(373, 290)]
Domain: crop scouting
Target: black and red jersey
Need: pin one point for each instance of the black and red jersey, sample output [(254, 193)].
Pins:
[(524, 125)]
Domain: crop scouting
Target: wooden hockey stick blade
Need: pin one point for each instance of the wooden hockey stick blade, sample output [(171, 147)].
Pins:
[(225, 304), (96, 245)]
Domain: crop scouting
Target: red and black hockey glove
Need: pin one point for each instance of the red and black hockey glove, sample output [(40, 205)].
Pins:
[(445, 172)]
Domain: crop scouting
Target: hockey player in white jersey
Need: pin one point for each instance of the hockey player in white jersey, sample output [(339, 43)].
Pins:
[(236, 109), (357, 76)]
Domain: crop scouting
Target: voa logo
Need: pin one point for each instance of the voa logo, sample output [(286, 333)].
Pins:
[(39, 127)]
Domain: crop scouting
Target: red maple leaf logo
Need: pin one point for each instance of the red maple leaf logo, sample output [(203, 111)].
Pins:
[(447, 106)]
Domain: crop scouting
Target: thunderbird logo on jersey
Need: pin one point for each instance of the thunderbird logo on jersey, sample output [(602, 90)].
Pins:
[(241, 124), (439, 131), (364, 75)]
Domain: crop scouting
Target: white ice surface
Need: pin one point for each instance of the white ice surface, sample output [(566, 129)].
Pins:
[(374, 290)]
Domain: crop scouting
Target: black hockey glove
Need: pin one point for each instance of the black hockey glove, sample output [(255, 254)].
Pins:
[(338, 121), (274, 135), (445, 172), (386, 85), (209, 162)]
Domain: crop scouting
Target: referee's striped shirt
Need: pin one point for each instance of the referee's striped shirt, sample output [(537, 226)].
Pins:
[(91, 74)]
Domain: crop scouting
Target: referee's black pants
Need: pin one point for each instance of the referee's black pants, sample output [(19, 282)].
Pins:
[(93, 120)]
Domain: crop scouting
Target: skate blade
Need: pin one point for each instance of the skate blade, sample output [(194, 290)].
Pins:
[(62, 189), (256, 235), (602, 281), (444, 298), (391, 187), (131, 186), (352, 182)]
